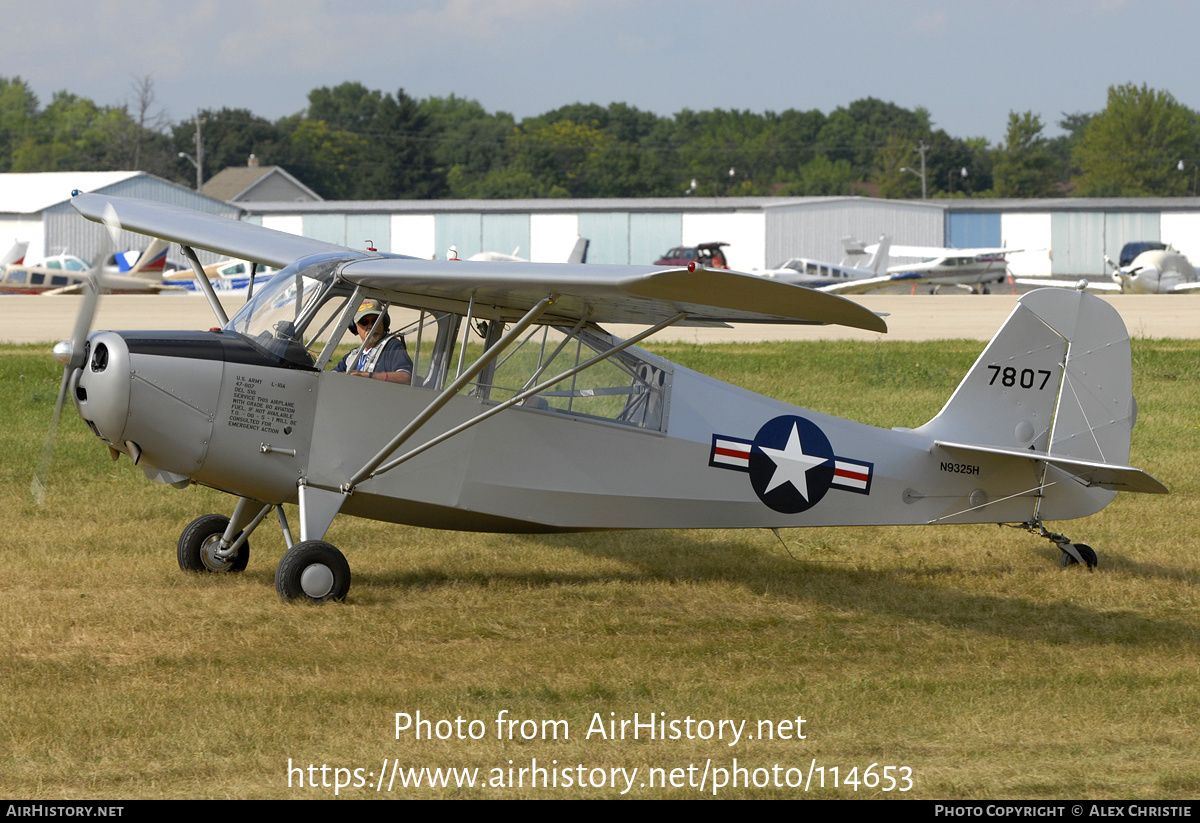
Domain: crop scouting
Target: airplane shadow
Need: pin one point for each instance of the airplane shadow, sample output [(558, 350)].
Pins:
[(904, 594)]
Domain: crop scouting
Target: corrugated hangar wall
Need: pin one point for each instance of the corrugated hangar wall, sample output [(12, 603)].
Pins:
[(815, 230)]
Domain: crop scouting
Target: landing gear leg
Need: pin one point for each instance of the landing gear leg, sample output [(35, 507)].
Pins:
[(1072, 553), (216, 543)]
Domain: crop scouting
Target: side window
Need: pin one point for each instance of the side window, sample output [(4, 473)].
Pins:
[(624, 388), (419, 330)]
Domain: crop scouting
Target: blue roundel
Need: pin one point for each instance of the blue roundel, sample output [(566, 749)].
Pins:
[(791, 464)]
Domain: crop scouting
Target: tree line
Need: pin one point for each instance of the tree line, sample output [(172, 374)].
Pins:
[(356, 143)]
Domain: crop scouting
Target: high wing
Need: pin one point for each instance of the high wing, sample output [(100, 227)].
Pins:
[(606, 294), (612, 294), (865, 284), (939, 251)]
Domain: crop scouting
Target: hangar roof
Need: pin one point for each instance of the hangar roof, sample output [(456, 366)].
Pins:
[(35, 192)]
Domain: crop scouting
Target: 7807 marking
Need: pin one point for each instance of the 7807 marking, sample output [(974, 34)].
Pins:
[(1025, 378)]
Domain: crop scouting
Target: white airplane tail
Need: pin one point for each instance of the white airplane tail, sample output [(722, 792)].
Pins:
[(579, 251), (1054, 387), (15, 255), (879, 260), (877, 264), (150, 263)]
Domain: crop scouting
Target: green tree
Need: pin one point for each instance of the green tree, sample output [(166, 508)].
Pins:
[(18, 112), (230, 136), (468, 141), (896, 154), (397, 158), (1025, 165), (1132, 147), (73, 133), (325, 159)]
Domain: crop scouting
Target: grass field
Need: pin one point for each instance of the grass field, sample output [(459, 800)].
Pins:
[(962, 659)]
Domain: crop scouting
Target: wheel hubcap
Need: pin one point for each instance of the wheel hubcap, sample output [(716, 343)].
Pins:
[(317, 580), (208, 555)]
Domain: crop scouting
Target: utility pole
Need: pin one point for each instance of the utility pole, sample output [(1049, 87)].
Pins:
[(198, 160), (921, 147)]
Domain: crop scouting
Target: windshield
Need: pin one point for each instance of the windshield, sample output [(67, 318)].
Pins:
[(275, 319)]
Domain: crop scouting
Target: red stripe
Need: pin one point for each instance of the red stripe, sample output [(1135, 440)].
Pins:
[(853, 475), (731, 452)]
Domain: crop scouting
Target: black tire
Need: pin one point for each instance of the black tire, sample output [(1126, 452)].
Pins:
[(201, 538), (1086, 552), (314, 571)]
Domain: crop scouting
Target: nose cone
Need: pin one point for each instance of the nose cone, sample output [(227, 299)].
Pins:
[(101, 387), (62, 352)]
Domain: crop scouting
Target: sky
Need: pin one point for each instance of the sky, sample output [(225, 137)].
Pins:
[(968, 63)]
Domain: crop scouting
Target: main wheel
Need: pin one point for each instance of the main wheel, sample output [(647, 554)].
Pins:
[(313, 570), (199, 543), (1085, 551)]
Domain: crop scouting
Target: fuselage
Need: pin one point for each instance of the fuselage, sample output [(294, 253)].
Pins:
[(216, 409)]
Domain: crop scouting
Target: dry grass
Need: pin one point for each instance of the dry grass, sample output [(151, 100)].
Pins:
[(964, 653)]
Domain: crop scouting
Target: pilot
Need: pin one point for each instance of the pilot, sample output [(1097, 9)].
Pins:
[(380, 357)]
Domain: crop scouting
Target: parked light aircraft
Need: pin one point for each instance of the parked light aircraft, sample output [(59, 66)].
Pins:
[(130, 272), (554, 425), (1158, 271), (970, 269), (838, 278), (226, 276)]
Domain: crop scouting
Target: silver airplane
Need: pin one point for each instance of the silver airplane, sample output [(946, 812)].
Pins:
[(544, 422), (1157, 271), (968, 269)]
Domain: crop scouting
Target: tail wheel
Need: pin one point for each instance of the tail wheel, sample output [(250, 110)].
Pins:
[(200, 541), (314, 571), (1085, 551)]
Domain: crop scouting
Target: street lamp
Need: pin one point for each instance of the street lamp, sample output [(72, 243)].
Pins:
[(950, 178), (198, 160), (192, 160), (1181, 165), (921, 148)]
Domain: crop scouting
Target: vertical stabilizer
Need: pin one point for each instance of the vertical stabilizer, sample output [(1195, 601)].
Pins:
[(579, 252), (1056, 379), (15, 255), (879, 260)]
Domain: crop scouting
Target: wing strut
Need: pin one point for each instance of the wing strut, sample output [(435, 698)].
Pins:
[(528, 392), (205, 285), (444, 396)]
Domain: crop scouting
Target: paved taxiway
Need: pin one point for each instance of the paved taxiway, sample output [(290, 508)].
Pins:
[(42, 319)]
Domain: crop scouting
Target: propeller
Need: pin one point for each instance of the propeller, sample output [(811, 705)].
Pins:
[(72, 353)]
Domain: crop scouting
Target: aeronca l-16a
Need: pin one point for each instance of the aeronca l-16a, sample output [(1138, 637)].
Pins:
[(540, 421)]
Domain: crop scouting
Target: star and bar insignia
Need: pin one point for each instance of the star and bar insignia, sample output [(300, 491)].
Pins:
[(791, 464)]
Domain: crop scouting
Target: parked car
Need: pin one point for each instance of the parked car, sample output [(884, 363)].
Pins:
[(708, 255)]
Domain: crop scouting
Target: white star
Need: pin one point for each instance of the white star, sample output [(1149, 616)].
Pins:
[(792, 464)]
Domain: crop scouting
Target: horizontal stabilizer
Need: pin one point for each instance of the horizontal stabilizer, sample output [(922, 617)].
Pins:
[(1090, 473)]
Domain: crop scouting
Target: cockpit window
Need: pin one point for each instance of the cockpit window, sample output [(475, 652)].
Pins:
[(276, 318)]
